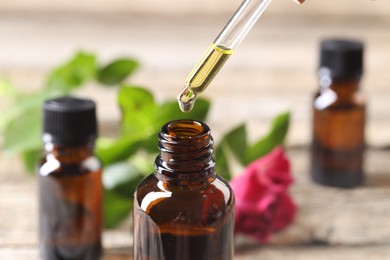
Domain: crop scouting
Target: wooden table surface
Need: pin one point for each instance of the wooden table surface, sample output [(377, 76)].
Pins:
[(331, 223), (273, 70)]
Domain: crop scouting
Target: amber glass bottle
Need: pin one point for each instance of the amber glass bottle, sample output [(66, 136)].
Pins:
[(184, 211), (70, 186), (339, 116)]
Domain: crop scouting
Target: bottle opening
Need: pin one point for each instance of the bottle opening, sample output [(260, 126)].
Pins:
[(186, 129), (186, 151)]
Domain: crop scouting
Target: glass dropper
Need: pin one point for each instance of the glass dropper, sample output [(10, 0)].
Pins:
[(220, 50)]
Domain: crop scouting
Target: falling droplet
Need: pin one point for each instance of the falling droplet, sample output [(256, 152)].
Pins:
[(186, 99)]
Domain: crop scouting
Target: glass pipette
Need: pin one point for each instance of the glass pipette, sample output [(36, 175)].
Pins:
[(221, 49)]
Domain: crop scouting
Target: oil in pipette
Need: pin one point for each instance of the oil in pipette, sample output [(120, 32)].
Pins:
[(202, 74)]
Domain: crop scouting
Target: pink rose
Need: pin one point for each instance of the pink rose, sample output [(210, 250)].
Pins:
[(263, 204)]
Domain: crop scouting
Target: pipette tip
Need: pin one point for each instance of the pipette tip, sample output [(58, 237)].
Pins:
[(186, 99), (299, 1)]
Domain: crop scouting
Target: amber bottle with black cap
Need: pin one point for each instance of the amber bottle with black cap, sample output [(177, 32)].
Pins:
[(184, 210), (339, 115), (70, 186)]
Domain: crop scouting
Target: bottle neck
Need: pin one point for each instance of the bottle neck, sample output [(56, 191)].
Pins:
[(186, 153), (69, 154), (343, 87)]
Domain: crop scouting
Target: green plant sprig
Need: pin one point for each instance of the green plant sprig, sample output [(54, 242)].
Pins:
[(130, 156)]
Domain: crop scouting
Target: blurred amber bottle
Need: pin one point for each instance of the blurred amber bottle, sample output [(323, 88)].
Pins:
[(70, 187), (339, 113), (184, 211)]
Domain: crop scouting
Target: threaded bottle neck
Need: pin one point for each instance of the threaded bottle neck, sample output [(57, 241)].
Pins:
[(186, 151)]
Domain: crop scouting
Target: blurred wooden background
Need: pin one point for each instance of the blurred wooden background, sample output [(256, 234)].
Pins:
[(272, 71), (203, 7)]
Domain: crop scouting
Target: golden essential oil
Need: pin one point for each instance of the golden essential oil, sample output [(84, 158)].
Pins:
[(202, 75)]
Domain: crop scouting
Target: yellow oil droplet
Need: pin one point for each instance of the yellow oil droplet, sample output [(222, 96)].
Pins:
[(186, 100)]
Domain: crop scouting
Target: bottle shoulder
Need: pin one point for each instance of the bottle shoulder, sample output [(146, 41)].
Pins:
[(50, 165), (331, 100), (152, 183), (164, 203)]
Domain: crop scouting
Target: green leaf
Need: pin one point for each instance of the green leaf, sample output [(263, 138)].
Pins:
[(116, 208), (22, 104), (72, 74), (236, 139), (149, 143), (6, 88), (222, 162), (31, 159), (274, 138), (120, 181), (122, 177), (170, 110), (138, 110), (117, 71), (7, 93), (23, 132), (199, 111), (144, 162), (119, 149)]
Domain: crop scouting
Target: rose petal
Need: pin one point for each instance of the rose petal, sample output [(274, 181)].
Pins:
[(284, 213), (263, 204)]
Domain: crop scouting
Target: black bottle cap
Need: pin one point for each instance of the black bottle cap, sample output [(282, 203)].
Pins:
[(69, 121), (341, 59)]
